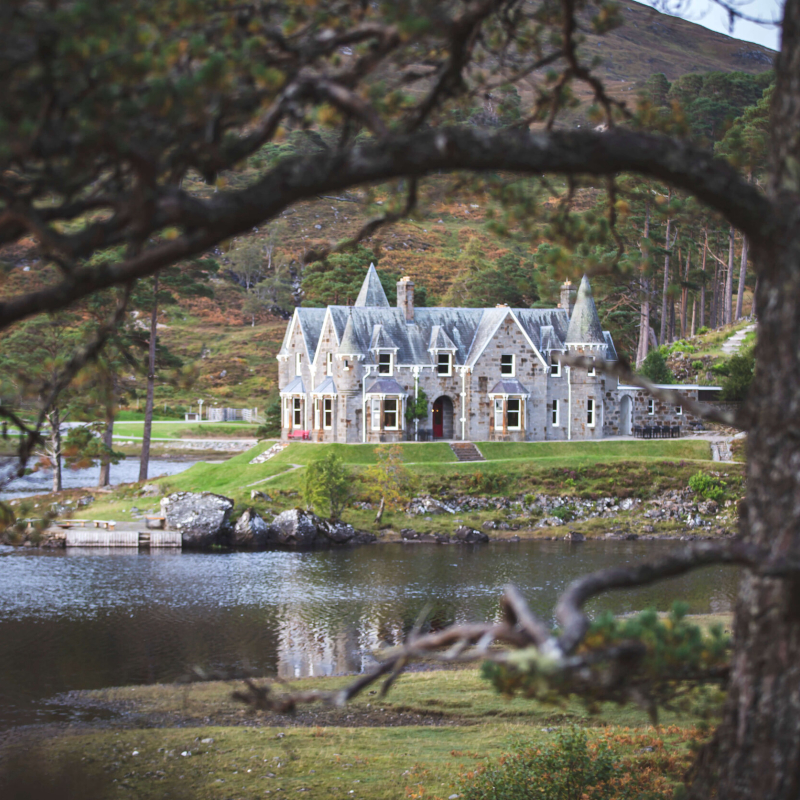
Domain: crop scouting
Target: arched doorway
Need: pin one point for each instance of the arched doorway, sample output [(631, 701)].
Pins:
[(625, 415), (443, 418)]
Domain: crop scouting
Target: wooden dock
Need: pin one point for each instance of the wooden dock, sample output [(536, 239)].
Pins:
[(90, 537)]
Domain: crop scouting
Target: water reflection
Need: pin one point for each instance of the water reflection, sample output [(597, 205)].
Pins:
[(90, 619)]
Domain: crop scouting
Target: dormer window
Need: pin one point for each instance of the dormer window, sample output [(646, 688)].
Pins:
[(385, 364), (555, 364), (298, 362), (444, 364), (507, 365)]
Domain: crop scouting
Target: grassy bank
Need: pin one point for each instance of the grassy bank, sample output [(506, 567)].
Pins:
[(195, 741), (187, 430)]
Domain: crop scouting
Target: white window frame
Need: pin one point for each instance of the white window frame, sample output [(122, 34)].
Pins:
[(375, 408), (297, 412), (591, 412), (556, 420), (287, 413), (498, 413), (593, 371), (679, 411), (315, 414), (327, 413), (298, 365), (449, 364), (329, 365), (651, 406), (555, 364), (390, 371), (396, 413), (346, 365), (513, 358), (518, 426)]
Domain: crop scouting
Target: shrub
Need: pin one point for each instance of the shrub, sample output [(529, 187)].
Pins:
[(328, 485), (271, 427), (483, 483), (697, 365), (566, 770), (655, 368), (738, 375), (707, 486), (564, 513), (702, 330)]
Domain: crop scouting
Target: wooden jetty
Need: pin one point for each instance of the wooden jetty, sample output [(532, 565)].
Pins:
[(109, 537)]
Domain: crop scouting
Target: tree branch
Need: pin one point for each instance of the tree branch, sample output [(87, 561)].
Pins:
[(621, 370), (207, 222), (569, 610)]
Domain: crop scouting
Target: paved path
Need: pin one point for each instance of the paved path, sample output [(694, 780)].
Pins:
[(734, 343)]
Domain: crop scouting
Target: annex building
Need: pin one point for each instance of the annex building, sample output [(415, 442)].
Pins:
[(348, 373)]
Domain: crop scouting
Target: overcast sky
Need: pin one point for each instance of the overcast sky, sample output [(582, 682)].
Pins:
[(708, 14)]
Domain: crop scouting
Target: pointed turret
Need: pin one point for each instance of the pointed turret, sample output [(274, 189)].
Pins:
[(349, 345), (372, 293), (584, 324)]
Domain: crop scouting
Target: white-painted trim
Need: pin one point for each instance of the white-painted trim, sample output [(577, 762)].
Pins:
[(569, 403), (472, 360)]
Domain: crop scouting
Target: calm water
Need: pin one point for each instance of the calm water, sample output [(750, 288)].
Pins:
[(127, 471), (83, 619)]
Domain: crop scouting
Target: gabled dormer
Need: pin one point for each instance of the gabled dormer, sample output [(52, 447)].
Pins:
[(443, 351), (383, 350)]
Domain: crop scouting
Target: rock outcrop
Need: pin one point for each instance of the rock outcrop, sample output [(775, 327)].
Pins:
[(250, 531), (298, 528), (203, 518)]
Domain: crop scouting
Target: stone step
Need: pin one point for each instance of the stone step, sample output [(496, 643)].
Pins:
[(466, 451)]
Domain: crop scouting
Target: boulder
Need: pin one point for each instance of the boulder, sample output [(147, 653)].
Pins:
[(295, 528), (298, 528), (203, 518), (470, 535), (250, 530)]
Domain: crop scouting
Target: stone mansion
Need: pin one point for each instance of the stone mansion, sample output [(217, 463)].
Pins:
[(348, 373)]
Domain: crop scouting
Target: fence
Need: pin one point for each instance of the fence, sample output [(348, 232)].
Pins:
[(232, 414)]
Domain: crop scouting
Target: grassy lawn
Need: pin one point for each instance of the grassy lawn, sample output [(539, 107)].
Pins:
[(462, 723), (187, 430), (435, 466)]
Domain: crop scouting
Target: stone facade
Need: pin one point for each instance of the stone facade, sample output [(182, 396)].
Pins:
[(347, 374)]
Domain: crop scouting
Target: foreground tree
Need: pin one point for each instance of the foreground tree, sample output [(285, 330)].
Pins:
[(105, 112)]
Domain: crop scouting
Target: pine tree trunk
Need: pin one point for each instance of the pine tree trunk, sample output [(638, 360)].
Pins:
[(685, 295), (755, 752), (703, 284), (54, 420), (644, 310), (729, 278), (108, 439), (665, 291), (715, 296), (742, 275), (144, 463), (694, 316)]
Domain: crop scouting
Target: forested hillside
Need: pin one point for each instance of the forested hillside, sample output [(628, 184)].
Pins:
[(468, 241)]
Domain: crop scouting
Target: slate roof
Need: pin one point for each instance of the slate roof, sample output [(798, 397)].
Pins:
[(584, 324), (295, 387), (611, 351), (385, 386), (348, 346), (372, 293), (509, 387), (365, 327), (381, 340), (326, 387), (440, 340)]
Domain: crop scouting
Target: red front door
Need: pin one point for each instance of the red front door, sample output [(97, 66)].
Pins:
[(438, 419)]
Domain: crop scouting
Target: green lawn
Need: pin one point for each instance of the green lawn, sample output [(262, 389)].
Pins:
[(435, 464), (252, 755), (187, 430)]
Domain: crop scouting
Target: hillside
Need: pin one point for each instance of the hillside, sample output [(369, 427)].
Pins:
[(234, 361)]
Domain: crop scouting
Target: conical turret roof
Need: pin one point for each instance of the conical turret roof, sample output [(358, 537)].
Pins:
[(584, 324), (372, 293), (349, 345)]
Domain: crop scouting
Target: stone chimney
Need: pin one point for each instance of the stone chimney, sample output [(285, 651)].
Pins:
[(567, 297), (405, 298)]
